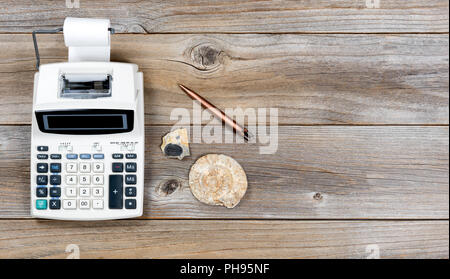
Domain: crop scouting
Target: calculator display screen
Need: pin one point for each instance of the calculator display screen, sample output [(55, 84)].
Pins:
[(89, 121)]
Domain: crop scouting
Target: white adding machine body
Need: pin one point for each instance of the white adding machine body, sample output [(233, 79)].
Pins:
[(87, 141)]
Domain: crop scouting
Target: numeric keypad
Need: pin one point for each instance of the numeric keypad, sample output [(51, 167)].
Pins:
[(76, 181)]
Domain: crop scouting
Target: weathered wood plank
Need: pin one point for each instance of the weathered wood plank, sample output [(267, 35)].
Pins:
[(311, 79), (318, 172), (235, 16), (225, 239)]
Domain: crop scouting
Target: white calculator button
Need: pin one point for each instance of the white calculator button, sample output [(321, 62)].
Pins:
[(69, 204), (84, 204), (97, 204), (71, 167), (97, 192), (71, 179), (85, 179), (71, 192), (85, 167), (98, 167), (84, 192), (97, 179)]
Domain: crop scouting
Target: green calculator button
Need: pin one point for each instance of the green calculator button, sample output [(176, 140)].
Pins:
[(41, 204)]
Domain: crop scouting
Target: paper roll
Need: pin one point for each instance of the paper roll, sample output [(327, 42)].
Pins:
[(85, 77), (88, 39)]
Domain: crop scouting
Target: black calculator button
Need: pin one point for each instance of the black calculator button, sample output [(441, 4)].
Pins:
[(130, 167), (55, 192), (41, 192), (130, 179), (41, 180), (130, 204), (42, 148), (55, 179), (55, 167), (55, 204), (117, 156), (55, 156), (42, 156), (130, 191), (117, 167), (42, 167), (131, 155), (115, 191)]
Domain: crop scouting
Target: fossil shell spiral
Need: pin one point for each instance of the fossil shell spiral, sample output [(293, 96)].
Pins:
[(218, 179)]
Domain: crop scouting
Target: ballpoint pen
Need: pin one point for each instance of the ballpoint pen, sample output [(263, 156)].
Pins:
[(243, 131)]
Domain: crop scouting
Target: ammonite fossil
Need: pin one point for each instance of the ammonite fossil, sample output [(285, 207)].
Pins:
[(218, 179)]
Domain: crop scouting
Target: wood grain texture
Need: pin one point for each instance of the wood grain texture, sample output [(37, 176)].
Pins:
[(224, 239), (320, 63), (235, 16), (311, 79), (318, 172)]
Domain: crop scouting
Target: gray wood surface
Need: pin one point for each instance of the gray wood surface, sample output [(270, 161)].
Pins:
[(225, 239), (324, 172), (311, 79), (362, 97), (342, 16)]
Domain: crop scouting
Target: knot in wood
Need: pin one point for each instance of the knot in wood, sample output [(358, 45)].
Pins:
[(168, 187), (206, 57), (317, 196)]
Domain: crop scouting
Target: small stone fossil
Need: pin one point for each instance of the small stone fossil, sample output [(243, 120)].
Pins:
[(218, 179), (176, 144)]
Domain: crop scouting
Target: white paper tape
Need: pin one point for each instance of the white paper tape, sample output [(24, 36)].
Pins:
[(85, 77), (88, 39)]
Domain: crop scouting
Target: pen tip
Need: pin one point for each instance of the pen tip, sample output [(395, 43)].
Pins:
[(247, 135)]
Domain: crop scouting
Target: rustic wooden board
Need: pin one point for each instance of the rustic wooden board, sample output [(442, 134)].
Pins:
[(225, 239), (320, 63), (318, 172), (311, 79), (363, 16)]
